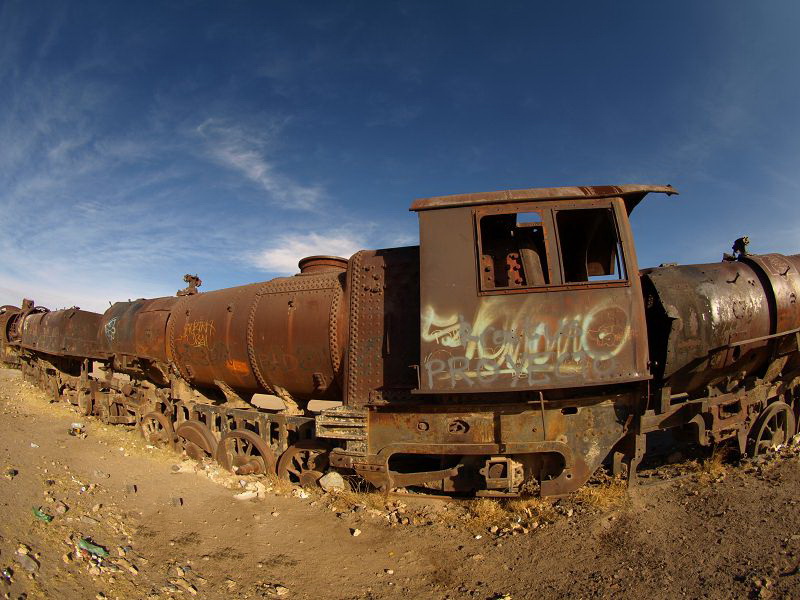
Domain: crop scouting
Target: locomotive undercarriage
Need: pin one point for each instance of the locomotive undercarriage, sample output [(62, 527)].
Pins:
[(546, 448)]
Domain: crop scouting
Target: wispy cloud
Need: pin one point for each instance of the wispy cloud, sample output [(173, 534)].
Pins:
[(237, 149), (283, 253)]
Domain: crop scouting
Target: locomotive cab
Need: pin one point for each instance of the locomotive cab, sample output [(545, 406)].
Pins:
[(533, 352), (530, 290)]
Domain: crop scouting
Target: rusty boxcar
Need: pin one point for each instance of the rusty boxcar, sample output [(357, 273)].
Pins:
[(515, 350)]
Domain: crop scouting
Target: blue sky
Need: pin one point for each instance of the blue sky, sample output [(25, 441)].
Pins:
[(143, 140)]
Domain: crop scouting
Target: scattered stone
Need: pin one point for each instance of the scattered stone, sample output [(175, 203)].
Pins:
[(299, 493), (89, 520), (60, 508), (126, 564), (131, 488), (33, 445), (276, 589), (246, 495), (11, 473), (332, 481), (275, 513), (176, 501), (389, 571), (185, 585), (67, 558), (27, 562), (355, 532)]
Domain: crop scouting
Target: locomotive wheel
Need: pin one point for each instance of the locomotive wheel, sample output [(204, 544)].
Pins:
[(304, 463), (157, 430), (244, 453), (774, 427), (196, 439)]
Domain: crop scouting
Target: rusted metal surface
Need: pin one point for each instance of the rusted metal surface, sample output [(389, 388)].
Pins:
[(716, 324), (8, 316), (382, 351), (515, 351), (138, 328), (70, 332), (633, 194), (573, 330), (317, 264), (284, 336)]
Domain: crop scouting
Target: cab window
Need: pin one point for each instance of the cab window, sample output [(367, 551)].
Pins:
[(513, 252), (590, 246)]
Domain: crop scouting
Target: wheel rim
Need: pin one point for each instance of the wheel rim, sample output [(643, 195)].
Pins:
[(775, 427), (304, 463), (197, 440), (157, 429), (245, 453)]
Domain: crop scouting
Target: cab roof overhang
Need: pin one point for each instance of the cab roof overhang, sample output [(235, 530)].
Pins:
[(632, 194)]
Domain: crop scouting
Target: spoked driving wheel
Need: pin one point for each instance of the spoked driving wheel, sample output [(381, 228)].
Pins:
[(304, 463), (196, 439), (244, 453), (157, 430), (774, 427)]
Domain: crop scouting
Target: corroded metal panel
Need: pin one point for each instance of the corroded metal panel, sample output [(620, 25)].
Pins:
[(382, 351), (138, 328), (284, 335), (70, 332), (555, 335)]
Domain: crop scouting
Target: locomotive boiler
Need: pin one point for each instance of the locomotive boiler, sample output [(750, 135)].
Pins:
[(515, 350)]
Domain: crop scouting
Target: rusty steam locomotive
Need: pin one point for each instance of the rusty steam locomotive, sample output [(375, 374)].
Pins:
[(515, 350)]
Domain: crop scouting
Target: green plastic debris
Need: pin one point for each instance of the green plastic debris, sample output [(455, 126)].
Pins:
[(92, 548), (41, 515)]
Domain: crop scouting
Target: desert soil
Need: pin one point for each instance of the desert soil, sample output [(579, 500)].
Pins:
[(174, 528)]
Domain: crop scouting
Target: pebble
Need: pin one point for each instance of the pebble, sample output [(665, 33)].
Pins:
[(355, 532), (61, 508), (182, 583), (249, 495), (389, 571), (27, 562), (332, 481), (126, 564)]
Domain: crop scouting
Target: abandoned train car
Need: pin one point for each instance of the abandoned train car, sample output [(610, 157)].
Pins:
[(514, 351)]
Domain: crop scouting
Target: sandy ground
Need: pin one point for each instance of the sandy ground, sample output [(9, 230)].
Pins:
[(174, 529)]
